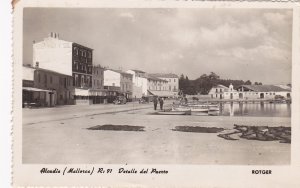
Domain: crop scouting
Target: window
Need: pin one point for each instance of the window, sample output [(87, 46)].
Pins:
[(65, 82), (174, 80), (76, 80), (39, 78), (50, 79), (45, 80)]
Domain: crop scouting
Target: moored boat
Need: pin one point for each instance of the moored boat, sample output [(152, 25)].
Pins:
[(171, 112)]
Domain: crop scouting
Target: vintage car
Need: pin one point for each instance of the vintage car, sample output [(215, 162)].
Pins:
[(120, 100)]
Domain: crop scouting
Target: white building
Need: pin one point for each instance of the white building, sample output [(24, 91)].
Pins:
[(172, 85), (140, 83), (217, 92), (259, 92), (68, 58), (117, 78), (157, 86)]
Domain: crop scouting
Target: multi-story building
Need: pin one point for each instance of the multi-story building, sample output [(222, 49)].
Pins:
[(119, 79), (65, 57), (43, 87), (173, 82), (98, 77), (140, 83), (157, 86), (217, 92)]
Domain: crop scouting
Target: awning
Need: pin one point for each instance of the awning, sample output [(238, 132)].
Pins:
[(81, 92), (36, 89), (162, 93)]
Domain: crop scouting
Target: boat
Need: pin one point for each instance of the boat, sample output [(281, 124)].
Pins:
[(214, 108), (193, 109), (171, 112)]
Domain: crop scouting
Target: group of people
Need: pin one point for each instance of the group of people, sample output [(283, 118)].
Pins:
[(159, 100)]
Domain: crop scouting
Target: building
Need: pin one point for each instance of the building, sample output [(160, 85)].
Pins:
[(262, 92), (158, 87), (218, 91), (46, 88), (172, 85), (68, 58), (119, 79), (140, 83), (98, 77)]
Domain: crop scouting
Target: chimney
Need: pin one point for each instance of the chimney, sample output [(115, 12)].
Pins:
[(37, 64)]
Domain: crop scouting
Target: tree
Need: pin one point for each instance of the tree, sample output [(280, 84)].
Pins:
[(248, 82)]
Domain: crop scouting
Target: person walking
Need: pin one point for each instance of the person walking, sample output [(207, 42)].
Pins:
[(161, 103), (155, 102)]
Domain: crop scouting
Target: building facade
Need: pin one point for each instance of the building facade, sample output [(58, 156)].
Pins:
[(65, 57), (172, 85), (46, 88), (157, 86), (140, 83), (119, 79), (218, 91), (98, 77), (260, 92)]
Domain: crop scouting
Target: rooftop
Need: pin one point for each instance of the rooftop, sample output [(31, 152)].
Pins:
[(164, 75), (265, 88), (154, 78), (119, 71), (41, 69), (220, 86), (137, 71)]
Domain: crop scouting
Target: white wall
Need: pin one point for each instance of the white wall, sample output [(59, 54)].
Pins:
[(173, 82), (53, 54), (28, 73), (140, 83), (144, 85), (235, 95), (255, 95), (112, 78)]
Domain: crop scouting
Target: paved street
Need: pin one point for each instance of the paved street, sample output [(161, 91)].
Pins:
[(60, 135)]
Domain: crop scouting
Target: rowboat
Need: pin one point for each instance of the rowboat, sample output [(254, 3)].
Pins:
[(191, 108), (214, 108), (174, 112)]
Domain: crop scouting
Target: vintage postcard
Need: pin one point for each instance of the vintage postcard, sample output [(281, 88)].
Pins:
[(156, 93)]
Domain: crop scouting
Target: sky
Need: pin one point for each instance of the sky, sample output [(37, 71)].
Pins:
[(244, 44)]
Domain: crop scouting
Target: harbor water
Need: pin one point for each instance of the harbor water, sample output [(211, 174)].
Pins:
[(255, 109)]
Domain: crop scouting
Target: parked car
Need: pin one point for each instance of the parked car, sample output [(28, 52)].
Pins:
[(120, 100), (144, 100)]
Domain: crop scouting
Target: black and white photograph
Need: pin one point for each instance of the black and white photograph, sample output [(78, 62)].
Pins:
[(155, 93), (161, 85)]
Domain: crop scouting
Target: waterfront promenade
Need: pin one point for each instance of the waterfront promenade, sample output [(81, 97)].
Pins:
[(60, 135)]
